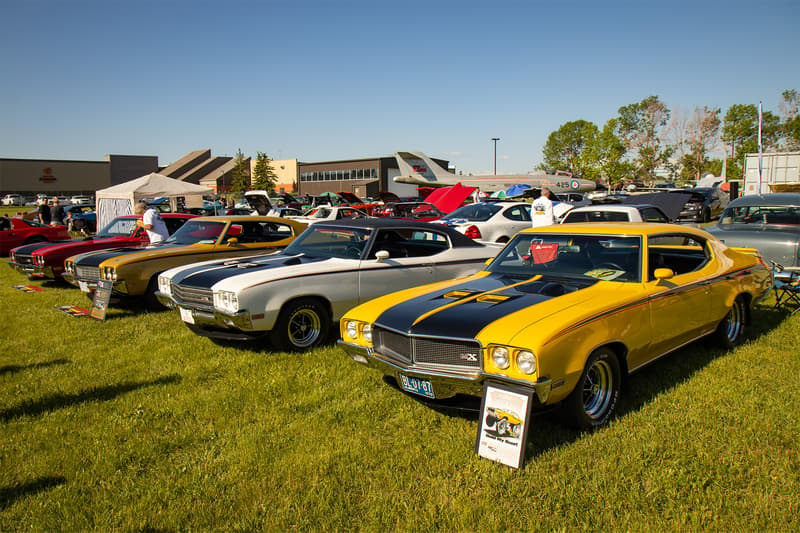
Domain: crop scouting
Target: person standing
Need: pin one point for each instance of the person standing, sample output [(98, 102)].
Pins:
[(152, 222), (44, 212), (542, 210), (56, 213)]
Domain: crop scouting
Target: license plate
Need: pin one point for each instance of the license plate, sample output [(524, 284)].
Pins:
[(83, 286), (186, 315), (418, 386)]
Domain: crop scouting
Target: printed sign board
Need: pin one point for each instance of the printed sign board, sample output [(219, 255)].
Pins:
[(503, 428), (102, 296)]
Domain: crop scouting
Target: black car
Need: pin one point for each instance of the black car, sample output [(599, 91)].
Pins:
[(706, 203)]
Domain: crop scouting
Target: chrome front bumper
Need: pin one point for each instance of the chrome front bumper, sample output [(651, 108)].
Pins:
[(445, 384), (213, 323), (33, 271)]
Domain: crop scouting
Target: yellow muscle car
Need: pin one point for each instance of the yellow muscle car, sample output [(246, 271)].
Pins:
[(566, 311), (134, 271)]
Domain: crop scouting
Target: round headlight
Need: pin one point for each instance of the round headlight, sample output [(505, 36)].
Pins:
[(500, 357), (352, 329), (526, 362), (367, 332)]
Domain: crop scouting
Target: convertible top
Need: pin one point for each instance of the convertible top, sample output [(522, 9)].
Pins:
[(458, 239)]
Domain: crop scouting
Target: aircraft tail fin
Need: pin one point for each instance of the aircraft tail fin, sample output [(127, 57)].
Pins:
[(418, 168)]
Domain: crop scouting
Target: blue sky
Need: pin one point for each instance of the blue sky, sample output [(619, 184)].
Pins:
[(325, 80)]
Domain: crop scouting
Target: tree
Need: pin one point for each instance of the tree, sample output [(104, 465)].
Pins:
[(701, 137), (240, 175), (740, 131), (264, 176), (642, 128), (607, 152), (791, 119), (566, 149)]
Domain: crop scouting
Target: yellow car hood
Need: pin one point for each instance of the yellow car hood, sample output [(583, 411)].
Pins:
[(501, 308)]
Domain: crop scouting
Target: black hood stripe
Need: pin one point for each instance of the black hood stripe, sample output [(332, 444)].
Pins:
[(433, 313), (93, 259), (207, 275)]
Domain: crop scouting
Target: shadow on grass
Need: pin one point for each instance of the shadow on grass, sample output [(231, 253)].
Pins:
[(548, 432), (60, 401), (8, 495), (13, 369)]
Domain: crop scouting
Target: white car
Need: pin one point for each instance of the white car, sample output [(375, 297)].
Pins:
[(295, 296), (80, 200), (13, 199), (490, 221), (327, 213), (615, 213)]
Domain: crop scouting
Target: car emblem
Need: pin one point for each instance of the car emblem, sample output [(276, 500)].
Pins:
[(468, 357)]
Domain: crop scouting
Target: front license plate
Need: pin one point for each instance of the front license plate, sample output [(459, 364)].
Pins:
[(83, 286), (419, 386), (186, 315)]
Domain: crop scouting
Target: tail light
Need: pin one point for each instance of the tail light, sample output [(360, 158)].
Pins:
[(473, 232)]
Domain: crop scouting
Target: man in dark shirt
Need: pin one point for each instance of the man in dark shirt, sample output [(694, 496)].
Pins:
[(56, 213), (44, 212)]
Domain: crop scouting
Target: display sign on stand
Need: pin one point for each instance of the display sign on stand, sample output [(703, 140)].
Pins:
[(503, 428), (102, 297)]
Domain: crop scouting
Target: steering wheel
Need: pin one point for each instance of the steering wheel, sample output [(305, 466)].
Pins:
[(352, 251), (610, 266)]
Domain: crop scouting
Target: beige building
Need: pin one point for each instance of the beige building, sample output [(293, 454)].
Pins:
[(286, 170)]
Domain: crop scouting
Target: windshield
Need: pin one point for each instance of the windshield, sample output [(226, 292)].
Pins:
[(572, 256), (119, 227), (474, 212), (321, 241), (197, 232), (761, 214)]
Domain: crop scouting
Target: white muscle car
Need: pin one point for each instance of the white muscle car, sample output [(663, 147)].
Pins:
[(293, 297)]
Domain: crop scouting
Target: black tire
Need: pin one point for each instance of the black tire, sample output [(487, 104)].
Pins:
[(706, 215), (730, 332), (150, 300), (490, 420), (302, 325), (594, 399)]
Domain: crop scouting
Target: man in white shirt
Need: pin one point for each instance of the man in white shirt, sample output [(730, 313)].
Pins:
[(542, 210), (152, 222)]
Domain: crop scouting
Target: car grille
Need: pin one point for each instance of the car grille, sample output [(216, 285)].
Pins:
[(23, 259), (452, 354), (203, 298), (87, 273)]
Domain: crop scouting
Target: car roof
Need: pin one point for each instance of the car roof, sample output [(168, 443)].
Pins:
[(623, 208), (456, 237), (775, 199), (618, 228), (242, 218)]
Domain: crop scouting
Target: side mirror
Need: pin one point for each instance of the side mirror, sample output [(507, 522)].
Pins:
[(233, 241), (381, 255), (663, 273)]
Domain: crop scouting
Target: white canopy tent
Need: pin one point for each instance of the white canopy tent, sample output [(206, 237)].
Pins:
[(119, 200)]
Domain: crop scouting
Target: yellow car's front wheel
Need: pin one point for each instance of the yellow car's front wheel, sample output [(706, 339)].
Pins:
[(594, 399)]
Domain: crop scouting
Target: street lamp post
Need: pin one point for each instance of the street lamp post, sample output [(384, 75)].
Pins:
[(494, 140)]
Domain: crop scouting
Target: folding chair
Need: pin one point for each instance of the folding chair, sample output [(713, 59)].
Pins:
[(787, 286)]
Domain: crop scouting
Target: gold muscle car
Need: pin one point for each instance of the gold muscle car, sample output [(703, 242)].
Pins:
[(566, 311), (134, 271)]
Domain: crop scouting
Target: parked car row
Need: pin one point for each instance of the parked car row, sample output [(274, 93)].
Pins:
[(563, 312)]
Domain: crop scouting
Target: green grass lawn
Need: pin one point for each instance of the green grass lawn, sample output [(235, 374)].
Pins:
[(136, 424)]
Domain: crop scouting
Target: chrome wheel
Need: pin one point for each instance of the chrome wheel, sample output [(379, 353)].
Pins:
[(598, 389), (730, 331), (305, 327)]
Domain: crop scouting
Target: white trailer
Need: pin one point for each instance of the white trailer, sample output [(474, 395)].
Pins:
[(780, 172)]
